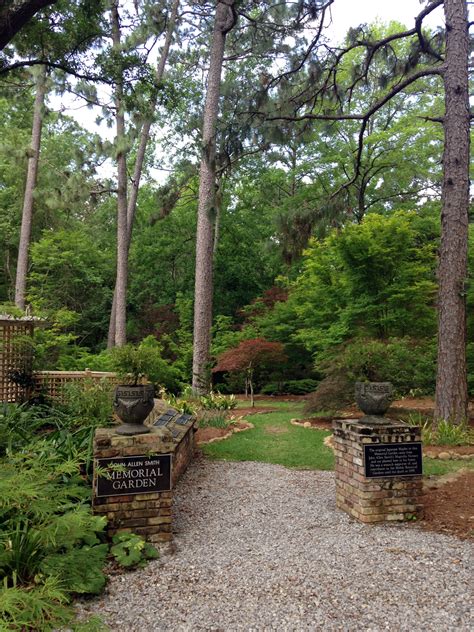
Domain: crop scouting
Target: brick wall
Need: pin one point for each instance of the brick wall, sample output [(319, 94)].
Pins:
[(374, 499), (147, 514)]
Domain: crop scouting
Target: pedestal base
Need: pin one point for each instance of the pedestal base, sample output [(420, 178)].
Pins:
[(129, 430), (376, 498)]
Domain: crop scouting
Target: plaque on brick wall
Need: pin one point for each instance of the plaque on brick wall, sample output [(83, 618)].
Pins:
[(128, 475), (392, 459)]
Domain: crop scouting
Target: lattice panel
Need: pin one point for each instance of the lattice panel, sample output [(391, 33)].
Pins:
[(15, 355), (52, 383)]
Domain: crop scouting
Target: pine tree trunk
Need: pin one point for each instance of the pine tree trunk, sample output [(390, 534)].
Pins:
[(252, 399), (217, 222), (28, 201), (122, 263), (451, 381), (224, 21), (137, 173)]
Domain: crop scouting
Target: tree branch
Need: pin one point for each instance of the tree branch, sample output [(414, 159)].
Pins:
[(58, 66), (15, 15)]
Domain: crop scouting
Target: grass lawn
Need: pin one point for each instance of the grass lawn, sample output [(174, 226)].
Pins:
[(275, 440)]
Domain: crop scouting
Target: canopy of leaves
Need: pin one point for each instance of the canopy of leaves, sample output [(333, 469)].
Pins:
[(250, 354)]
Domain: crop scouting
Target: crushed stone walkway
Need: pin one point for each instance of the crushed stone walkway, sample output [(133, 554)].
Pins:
[(262, 547)]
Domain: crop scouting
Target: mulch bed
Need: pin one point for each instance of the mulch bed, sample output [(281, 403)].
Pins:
[(449, 506)]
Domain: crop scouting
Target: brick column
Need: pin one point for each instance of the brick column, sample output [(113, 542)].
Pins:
[(148, 514), (372, 498)]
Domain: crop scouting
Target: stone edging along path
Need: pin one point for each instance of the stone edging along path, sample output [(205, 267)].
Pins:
[(233, 428)]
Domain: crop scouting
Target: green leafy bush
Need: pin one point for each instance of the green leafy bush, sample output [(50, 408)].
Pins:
[(18, 425), (185, 405), (38, 607), (134, 362), (89, 402), (405, 362), (442, 433), (132, 551), (333, 393), (291, 387), (50, 546)]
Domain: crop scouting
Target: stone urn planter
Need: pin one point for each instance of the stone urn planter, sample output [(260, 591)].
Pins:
[(132, 404), (374, 398)]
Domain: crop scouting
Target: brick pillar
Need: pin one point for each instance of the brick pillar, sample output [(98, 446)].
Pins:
[(133, 508), (376, 483)]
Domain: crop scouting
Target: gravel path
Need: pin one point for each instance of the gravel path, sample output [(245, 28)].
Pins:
[(261, 547)]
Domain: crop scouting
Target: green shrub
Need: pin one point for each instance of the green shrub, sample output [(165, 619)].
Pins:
[(333, 393), (89, 402), (442, 433), (18, 425), (132, 551), (183, 405), (470, 367), (133, 362), (405, 362), (50, 546), (291, 387)]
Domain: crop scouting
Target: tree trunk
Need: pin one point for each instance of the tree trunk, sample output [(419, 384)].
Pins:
[(217, 222), (137, 173), (122, 264), (224, 21), (252, 399), (451, 381), (28, 201)]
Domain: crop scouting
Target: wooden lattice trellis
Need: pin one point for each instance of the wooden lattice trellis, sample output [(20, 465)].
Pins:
[(52, 383), (15, 357)]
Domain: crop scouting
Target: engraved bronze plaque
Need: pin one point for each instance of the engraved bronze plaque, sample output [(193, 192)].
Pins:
[(392, 459), (129, 475)]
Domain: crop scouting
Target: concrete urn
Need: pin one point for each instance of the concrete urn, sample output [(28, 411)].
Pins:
[(374, 398), (132, 404)]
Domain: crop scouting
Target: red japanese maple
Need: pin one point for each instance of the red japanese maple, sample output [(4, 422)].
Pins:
[(249, 355)]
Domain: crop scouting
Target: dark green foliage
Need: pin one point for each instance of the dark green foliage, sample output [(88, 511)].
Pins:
[(80, 568), (145, 360), (290, 387), (65, 428), (18, 424), (406, 362), (334, 392), (375, 279), (88, 402), (46, 529), (69, 285)]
